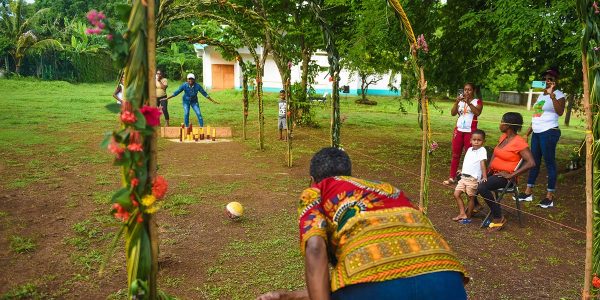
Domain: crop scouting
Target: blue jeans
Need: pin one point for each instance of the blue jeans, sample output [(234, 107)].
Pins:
[(543, 144), (186, 113), (446, 285)]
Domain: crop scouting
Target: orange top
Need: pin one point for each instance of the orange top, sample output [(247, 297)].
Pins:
[(507, 158)]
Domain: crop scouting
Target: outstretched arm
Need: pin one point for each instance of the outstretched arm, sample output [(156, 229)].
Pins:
[(317, 268)]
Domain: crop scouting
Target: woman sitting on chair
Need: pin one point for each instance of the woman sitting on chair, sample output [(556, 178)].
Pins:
[(510, 150)]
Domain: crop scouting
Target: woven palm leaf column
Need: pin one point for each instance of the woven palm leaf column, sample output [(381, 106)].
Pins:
[(589, 17), (423, 104)]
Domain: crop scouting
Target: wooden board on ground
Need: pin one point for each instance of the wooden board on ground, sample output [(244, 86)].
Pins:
[(173, 132)]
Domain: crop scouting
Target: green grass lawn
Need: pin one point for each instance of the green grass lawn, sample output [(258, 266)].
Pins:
[(50, 129)]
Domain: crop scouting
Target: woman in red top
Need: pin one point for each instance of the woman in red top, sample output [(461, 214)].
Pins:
[(503, 165)]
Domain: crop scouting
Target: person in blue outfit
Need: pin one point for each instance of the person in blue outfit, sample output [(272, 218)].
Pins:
[(190, 91)]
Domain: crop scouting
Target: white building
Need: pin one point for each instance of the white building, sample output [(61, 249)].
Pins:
[(219, 73)]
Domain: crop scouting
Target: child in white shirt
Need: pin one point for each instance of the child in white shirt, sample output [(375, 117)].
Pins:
[(473, 171)]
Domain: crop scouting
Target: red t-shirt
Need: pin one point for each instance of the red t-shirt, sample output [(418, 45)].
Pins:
[(507, 158)]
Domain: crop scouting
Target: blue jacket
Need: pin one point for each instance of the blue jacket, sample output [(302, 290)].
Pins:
[(190, 93)]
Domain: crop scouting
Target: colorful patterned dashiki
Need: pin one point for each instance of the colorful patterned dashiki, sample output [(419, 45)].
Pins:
[(372, 232)]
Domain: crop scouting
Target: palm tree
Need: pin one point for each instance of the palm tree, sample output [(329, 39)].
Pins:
[(15, 27)]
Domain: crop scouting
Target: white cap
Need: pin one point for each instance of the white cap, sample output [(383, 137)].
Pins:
[(191, 75)]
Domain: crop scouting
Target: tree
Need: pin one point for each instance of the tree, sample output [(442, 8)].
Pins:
[(16, 28)]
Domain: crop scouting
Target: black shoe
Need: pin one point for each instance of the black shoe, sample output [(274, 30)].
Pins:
[(525, 197), (546, 203)]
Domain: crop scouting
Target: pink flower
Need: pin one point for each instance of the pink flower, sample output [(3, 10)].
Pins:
[(135, 137), (93, 31), (422, 44), (135, 147), (128, 117), (92, 15), (116, 149), (152, 115), (101, 25), (596, 8), (109, 37)]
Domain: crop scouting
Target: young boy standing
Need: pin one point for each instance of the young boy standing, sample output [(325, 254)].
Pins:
[(282, 119), (473, 171)]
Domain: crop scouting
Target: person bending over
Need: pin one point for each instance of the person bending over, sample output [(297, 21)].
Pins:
[(363, 239)]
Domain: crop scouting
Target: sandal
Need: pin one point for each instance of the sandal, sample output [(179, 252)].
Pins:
[(493, 227), (465, 221), (450, 181)]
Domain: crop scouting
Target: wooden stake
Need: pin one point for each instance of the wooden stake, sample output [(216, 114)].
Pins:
[(151, 222), (424, 144), (589, 193)]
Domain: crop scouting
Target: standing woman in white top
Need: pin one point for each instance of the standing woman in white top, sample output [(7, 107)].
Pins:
[(544, 125), (118, 94), (468, 109)]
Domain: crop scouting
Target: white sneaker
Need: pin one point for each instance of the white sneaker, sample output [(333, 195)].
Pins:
[(524, 197)]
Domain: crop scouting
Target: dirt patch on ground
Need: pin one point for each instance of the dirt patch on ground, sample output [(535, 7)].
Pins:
[(206, 256)]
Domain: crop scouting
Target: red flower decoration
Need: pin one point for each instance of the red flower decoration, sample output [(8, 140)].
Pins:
[(139, 218), (120, 212), (128, 117), (126, 106), (116, 149), (135, 203), (159, 187), (596, 281), (152, 115), (135, 147), (135, 182), (135, 137)]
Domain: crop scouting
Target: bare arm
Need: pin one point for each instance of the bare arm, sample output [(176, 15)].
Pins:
[(454, 110), (527, 164), (559, 104), (317, 269), (117, 90), (475, 109), (483, 171)]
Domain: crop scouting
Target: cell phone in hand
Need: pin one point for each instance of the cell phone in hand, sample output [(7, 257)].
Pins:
[(460, 93)]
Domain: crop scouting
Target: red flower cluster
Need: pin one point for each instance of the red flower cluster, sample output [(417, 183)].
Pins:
[(159, 187), (116, 149), (152, 115), (128, 117), (95, 18), (596, 281), (120, 212), (135, 142), (135, 182)]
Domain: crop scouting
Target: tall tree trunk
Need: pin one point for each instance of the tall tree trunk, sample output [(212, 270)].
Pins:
[(153, 163), (363, 88), (261, 115), (6, 64), (570, 100), (335, 111), (245, 104)]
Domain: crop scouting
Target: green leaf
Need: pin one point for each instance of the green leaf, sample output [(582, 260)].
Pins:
[(140, 124), (123, 11), (122, 197), (113, 107), (106, 140)]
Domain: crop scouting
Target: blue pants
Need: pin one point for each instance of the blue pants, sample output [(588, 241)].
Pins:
[(446, 285), (543, 144), (186, 113)]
